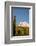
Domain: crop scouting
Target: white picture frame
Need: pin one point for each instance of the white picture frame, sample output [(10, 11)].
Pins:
[(19, 39)]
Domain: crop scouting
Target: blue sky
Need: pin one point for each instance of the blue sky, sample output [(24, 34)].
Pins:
[(22, 14)]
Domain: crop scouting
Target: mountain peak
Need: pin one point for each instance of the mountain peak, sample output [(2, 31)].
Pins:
[(23, 24)]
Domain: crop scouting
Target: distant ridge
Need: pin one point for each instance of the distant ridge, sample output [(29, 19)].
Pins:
[(23, 24)]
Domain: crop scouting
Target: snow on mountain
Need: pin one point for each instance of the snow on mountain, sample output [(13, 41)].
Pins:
[(23, 24)]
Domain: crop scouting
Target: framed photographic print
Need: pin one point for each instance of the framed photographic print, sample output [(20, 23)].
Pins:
[(19, 22)]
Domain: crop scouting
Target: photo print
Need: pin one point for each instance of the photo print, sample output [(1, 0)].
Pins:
[(20, 18)]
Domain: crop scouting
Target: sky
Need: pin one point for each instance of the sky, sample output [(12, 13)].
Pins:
[(22, 14)]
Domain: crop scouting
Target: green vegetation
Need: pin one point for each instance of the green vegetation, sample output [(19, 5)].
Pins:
[(22, 31)]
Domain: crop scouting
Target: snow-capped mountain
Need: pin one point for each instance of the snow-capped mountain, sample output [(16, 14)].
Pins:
[(23, 24)]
